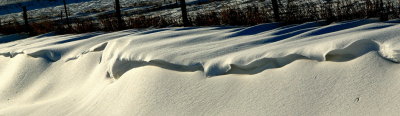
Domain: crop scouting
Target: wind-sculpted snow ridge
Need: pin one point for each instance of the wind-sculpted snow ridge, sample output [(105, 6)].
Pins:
[(216, 54), (219, 50), (345, 68)]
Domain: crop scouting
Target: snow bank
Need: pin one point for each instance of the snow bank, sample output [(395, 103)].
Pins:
[(346, 68), (215, 50)]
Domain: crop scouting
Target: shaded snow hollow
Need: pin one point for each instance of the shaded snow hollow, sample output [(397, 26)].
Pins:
[(346, 68)]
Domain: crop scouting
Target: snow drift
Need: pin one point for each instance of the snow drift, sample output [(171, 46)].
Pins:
[(347, 68)]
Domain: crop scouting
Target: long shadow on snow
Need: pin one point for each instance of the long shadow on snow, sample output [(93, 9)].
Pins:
[(286, 36), (13, 37), (256, 29), (378, 27), (213, 28), (152, 31), (46, 35), (223, 51), (168, 36), (239, 47), (340, 27), (78, 38), (292, 28)]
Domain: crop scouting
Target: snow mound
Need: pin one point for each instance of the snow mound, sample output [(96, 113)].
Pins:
[(217, 50), (346, 68)]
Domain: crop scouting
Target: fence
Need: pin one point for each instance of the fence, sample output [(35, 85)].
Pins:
[(254, 12)]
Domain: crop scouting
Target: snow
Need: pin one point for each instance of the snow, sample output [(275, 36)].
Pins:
[(12, 37), (50, 10), (345, 68)]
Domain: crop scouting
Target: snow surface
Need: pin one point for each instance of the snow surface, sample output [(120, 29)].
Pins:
[(346, 68)]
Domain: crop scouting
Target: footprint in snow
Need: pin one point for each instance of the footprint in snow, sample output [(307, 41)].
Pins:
[(357, 99)]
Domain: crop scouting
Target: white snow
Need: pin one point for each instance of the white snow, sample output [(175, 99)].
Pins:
[(346, 68)]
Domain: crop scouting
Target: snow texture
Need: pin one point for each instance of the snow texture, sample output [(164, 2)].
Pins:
[(346, 68)]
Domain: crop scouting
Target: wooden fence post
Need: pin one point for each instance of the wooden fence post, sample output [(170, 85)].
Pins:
[(184, 13), (66, 14), (118, 15), (25, 17), (275, 7), (382, 11), (329, 6), (61, 15)]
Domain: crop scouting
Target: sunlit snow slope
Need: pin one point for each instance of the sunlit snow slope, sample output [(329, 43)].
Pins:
[(347, 68)]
